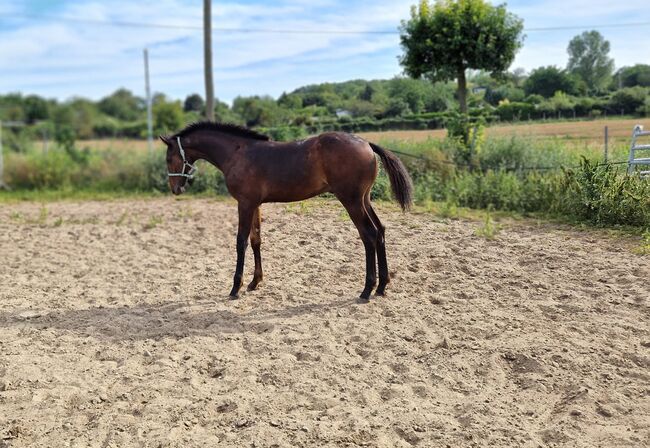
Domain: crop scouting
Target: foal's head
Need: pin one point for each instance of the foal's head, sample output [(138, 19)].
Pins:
[(180, 165)]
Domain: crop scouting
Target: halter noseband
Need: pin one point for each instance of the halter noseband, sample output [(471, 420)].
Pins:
[(193, 168)]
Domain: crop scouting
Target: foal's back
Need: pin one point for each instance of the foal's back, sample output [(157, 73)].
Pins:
[(293, 171)]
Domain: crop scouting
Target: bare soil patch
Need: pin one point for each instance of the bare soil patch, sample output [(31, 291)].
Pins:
[(115, 331)]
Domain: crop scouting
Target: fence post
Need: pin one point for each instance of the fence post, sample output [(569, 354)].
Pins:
[(606, 142), (2, 183), (45, 141)]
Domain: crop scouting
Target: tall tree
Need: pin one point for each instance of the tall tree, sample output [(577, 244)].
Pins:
[(443, 39), (637, 75), (546, 81), (207, 56), (193, 103), (589, 59), (122, 104)]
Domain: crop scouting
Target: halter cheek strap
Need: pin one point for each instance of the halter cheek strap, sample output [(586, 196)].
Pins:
[(193, 169)]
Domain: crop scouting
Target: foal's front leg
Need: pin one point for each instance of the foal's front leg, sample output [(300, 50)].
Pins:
[(246, 213)]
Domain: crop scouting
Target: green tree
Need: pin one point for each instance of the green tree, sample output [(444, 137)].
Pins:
[(290, 101), (546, 81), (63, 116), (494, 95), (122, 104), (637, 75), (84, 114), (367, 93), (322, 95), (413, 92), (397, 107), (444, 39), (11, 107), (258, 111), (224, 114), (36, 108), (629, 99), (589, 59), (194, 103), (167, 116)]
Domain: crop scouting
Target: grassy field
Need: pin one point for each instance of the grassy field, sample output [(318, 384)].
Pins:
[(549, 168)]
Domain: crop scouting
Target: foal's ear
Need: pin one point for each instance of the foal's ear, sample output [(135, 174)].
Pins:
[(164, 139)]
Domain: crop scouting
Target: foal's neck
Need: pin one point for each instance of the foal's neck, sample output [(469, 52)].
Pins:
[(215, 147)]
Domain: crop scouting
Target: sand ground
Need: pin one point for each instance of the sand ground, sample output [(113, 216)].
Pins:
[(116, 331)]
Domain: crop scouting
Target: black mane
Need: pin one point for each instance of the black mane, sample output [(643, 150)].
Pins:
[(228, 128)]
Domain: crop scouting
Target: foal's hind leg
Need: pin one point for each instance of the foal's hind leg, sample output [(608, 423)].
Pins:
[(256, 242), (384, 278), (246, 212), (368, 234)]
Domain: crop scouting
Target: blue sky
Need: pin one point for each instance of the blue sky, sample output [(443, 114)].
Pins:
[(42, 54)]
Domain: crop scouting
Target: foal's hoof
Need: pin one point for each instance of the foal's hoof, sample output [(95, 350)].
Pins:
[(233, 296), (365, 296), (253, 286)]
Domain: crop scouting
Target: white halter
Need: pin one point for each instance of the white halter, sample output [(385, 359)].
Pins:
[(193, 168)]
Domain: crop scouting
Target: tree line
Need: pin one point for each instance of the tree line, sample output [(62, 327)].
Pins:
[(542, 93), (456, 55)]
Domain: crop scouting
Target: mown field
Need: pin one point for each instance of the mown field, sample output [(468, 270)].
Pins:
[(580, 132), (620, 131)]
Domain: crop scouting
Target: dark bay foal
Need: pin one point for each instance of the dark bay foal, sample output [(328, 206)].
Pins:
[(258, 170)]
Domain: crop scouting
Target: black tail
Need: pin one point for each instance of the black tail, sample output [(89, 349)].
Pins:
[(400, 181)]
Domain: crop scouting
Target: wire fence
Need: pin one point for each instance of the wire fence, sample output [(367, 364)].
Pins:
[(516, 168)]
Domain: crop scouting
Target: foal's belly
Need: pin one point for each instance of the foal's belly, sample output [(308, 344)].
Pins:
[(296, 193)]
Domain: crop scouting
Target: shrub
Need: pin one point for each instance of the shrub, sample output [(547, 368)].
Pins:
[(508, 111), (629, 99), (601, 195)]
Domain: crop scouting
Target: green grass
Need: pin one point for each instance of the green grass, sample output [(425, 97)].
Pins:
[(447, 177), (489, 229), (644, 247), (153, 222)]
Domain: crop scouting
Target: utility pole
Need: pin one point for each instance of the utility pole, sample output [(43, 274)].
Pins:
[(207, 56), (148, 92)]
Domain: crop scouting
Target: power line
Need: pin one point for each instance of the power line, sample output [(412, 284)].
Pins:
[(129, 24), (581, 27)]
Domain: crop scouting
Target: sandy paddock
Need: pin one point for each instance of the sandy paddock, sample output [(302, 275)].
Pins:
[(115, 331)]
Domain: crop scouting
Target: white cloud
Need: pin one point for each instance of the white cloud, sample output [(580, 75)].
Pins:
[(62, 59)]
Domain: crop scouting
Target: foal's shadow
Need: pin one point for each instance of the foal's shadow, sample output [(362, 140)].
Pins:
[(201, 317)]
